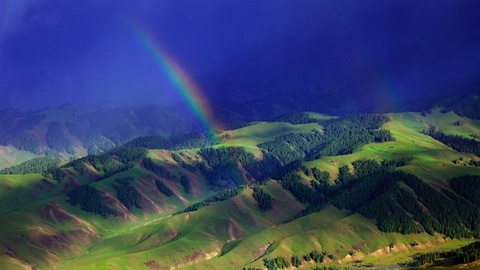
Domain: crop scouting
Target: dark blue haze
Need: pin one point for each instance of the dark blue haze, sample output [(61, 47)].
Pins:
[(83, 52)]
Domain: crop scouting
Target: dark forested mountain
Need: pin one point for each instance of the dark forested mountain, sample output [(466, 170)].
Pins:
[(462, 97), (80, 130), (272, 105)]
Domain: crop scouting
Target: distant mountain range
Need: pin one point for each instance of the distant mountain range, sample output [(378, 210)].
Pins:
[(70, 130), (73, 131)]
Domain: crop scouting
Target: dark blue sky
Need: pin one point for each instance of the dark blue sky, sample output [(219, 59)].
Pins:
[(84, 52)]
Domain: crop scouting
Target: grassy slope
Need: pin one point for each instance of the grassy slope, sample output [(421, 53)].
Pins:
[(154, 239), (27, 202), (260, 132), (188, 237), (17, 191), (233, 234), (432, 159)]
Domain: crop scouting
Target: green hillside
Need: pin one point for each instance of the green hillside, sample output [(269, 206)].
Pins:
[(134, 217), (432, 159)]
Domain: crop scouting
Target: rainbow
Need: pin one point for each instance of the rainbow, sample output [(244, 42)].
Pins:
[(184, 85)]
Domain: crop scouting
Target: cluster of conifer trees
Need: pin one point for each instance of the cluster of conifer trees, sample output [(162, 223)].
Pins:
[(282, 262), (371, 195), (475, 163), (279, 262), (22, 141), (159, 170), (347, 134), (456, 142), (329, 267), (303, 193), (466, 254), (176, 157), (35, 165), (90, 200), (217, 197), (126, 192), (129, 154), (293, 146), (162, 172), (53, 174), (296, 261), (105, 164), (101, 163), (115, 170), (264, 200), (223, 162), (316, 256), (162, 188), (185, 182), (375, 192), (320, 176), (218, 157), (341, 136), (396, 162)]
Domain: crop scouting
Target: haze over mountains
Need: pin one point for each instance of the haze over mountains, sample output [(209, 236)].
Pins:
[(73, 131)]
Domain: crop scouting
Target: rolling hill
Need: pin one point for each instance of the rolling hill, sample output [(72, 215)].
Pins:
[(199, 208)]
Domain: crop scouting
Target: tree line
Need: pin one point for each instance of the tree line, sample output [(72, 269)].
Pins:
[(296, 118), (341, 136), (106, 165), (35, 165), (217, 197), (455, 142), (465, 254), (223, 171), (174, 142), (264, 200), (90, 200), (127, 194), (376, 192), (283, 262)]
